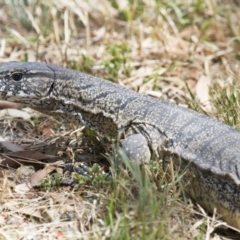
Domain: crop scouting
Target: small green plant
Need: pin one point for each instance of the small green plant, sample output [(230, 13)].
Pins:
[(182, 17), (94, 140), (18, 8), (193, 102), (132, 10), (50, 181), (118, 61), (94, 176), (138, 207), (84, 64), (25, 11), (226, 101)]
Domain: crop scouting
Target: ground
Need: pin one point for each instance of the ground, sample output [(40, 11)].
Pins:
[(186, 52)]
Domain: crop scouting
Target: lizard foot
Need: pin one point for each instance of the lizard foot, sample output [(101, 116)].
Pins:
[(136, 148)]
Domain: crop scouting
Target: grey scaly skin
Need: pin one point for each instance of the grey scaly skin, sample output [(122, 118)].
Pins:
[(208, 149)]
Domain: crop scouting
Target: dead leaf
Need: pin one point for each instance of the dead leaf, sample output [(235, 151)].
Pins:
[(202, 89), (98, 34), (14, 113), (2, 220), (15, 159), (60, 198), (4, 179), (34, 212), (9, 162), (46, 129), (6, 104), (30, 154), (59, 234), (41, 174), (59, 170), (10, 146), (23, 188)]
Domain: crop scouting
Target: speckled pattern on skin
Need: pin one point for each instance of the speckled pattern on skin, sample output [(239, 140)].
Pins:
[(208, 149)]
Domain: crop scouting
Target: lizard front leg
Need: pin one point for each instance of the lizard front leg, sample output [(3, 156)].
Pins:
[(136, 148)]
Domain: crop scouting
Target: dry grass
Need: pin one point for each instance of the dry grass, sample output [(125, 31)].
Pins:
[(153, 46)]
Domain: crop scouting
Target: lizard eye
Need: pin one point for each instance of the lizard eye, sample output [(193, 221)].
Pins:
[(17, 76)]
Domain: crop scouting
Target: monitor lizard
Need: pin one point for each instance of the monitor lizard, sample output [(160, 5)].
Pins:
[(207, 148)]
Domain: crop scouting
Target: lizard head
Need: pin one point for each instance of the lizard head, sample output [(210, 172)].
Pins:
[(27, 83)]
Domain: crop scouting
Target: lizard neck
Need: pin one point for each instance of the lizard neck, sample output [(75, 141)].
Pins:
[(95, 102)]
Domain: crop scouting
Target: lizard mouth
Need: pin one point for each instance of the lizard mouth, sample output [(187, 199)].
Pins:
[(4, 95)]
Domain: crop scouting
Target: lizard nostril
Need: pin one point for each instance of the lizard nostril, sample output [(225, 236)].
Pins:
[(17, 76)]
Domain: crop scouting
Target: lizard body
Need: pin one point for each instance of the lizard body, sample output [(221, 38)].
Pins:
[(207, 148)]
